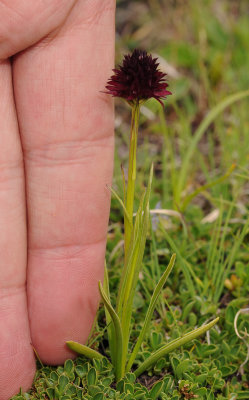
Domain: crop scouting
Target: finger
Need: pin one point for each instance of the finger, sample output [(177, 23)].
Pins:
[(67, 134), (25, 22), (16, 354)]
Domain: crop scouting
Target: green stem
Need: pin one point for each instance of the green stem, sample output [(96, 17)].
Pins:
[(129, 201)]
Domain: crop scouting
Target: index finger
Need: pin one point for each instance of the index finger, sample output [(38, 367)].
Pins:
[(66, 127)]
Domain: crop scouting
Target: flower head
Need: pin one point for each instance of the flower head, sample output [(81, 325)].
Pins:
[(138, 79)]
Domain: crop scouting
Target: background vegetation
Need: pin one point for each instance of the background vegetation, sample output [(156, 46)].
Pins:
[(201, 190)]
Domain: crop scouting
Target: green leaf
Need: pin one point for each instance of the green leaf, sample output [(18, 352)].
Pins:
[(139, 394), (174, 344), (119, 367), (243, 395), (200, 379), (63, 381), (106, 381), (71, 390), (130, 377), (54, 376), (156, 390), (185, 265), (93, 390), (92, 377), (192, 319), (50, 393), (56, 393), (122, 205), (84, 350), (228, 370), (68, 366), (155, 339), (80, 371), (99, 396), (128, 388), (110, 327), (160, 364), (183, 366), (120, 386)]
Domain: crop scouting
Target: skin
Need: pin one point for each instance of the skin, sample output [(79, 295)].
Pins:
[(56, 159)]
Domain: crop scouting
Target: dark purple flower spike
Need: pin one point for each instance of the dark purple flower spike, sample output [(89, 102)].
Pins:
[(138, 79)]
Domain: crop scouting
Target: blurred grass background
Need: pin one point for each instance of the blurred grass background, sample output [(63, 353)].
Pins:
[(203, 46)]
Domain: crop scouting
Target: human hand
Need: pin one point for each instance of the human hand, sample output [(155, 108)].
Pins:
[(54, 206)]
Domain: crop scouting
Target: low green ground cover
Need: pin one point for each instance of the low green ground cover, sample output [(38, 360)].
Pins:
[(200, 149)]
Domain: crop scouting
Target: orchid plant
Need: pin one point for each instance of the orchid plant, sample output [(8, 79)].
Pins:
[(136, 80)]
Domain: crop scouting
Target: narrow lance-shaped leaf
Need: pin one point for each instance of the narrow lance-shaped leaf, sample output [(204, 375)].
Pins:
[(119, 370), (109, 323), (83, 350), (129, 221), (186, 267), (150, 311), (172, 346)]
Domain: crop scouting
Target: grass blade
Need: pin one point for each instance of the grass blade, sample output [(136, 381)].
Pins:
[(109, 323), (218, 109), (225, 271), (186, 267), (201, 189), (150, 311), (174, 344), (118, 337), (122, 205), (213, 248), (219, 264)]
